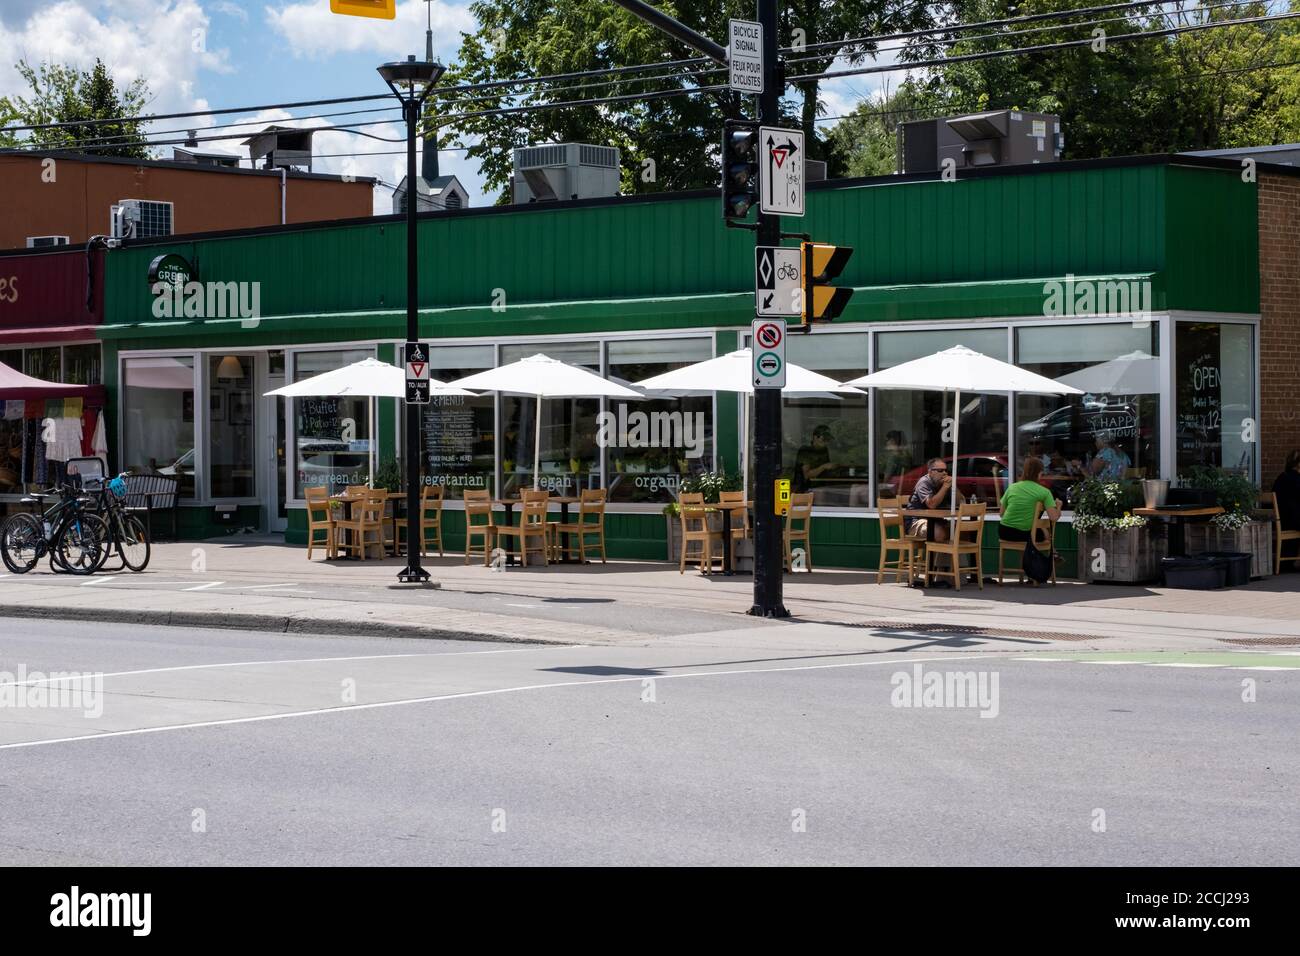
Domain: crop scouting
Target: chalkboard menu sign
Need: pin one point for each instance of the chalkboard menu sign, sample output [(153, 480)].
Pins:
[(319, 418), (449, 435)]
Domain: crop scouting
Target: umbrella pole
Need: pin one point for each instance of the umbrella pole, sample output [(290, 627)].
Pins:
[(537, 446), (744, 441), (956, 445), (370, 445)]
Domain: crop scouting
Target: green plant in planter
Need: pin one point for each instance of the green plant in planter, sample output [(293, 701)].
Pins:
[(389, 475), (1105, 506), (1235, 494), (710, 484)]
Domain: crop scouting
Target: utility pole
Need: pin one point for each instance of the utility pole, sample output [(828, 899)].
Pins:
[(769, 556)]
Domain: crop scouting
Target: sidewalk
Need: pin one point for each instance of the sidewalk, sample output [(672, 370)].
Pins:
[(263, 584)]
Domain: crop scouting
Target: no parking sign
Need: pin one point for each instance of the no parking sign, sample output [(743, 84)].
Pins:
[(768, 348)]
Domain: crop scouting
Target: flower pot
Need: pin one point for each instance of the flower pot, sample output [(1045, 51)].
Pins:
[(1129, 556)]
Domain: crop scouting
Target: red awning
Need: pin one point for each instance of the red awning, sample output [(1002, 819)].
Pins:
[(39, 335), (14, 384)]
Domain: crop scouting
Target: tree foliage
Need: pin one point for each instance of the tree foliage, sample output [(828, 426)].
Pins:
[(64, 94)]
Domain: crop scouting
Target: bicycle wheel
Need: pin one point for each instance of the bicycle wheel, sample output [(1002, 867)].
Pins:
[(132, 541), (81, 545), (21, 542)]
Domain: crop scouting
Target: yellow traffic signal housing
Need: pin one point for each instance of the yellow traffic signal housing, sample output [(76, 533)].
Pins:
[(383, 9), (822, 263)]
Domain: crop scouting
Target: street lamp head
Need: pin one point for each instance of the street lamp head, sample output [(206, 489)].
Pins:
[(411, 79)]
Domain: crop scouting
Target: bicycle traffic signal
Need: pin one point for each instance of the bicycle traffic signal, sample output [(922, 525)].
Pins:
[(822, 263), (739, 168)]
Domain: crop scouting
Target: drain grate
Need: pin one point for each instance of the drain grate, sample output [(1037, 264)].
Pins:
[(974, 630), (1261, 641)]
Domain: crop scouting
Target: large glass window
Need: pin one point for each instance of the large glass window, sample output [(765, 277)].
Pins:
[(914, 426), (824, 436), (652, 445), (457, 449), (158, 417), (1113, 429), (43, 363), (1215, 383), (570, 458), (81, 364), (333, 433), (13, 358), (230, 426)]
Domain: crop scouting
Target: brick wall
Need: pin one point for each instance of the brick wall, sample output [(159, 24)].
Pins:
[(1279, 294)]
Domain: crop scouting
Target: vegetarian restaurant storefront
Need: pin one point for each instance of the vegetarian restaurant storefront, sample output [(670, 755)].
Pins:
[(1166, 287)]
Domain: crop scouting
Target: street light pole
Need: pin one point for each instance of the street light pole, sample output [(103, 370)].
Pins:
[(411, 81)]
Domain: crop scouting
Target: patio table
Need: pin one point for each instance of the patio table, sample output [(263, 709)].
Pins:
[(508, 504), (1177, 527)]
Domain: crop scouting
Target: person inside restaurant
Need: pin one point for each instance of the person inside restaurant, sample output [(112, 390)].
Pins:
[(1287, 490), (1020, 500), (813, 460), (1109, 463)]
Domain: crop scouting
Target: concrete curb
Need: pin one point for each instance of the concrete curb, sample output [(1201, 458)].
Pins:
[(273, 623)]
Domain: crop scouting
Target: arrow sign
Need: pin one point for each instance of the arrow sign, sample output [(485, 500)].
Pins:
[(417, 373), (784, 172), (776, 281)]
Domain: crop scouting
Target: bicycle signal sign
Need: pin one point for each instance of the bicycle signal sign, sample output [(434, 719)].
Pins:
[(778, 293), (767, 345)]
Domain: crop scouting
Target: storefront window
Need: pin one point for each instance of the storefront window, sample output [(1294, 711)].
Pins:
[(457, 449), (570, 458), (1113, 429), (12, 430), (824, 446), (914, 426), (13, 358), (158, 417), (230, 426), (652, 445), (333, 433), (81, 364), (1215, 369), (43, 363)]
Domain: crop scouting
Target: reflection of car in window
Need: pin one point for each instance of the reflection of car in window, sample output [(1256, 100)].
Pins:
[(1083, 422), (984, 475)]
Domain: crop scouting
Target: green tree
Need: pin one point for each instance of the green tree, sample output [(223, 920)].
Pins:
[(64, 94)]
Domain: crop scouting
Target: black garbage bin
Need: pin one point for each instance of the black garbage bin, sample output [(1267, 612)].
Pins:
[(1236, 564), (1199, 573)]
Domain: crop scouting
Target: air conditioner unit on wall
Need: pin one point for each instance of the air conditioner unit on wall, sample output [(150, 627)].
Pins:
[(140, 219), (42, 242)]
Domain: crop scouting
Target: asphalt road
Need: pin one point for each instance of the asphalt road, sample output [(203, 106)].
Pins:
[(250, 749)]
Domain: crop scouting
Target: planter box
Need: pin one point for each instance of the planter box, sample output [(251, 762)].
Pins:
[(1132, 555), (674, 537), (1256, 539)]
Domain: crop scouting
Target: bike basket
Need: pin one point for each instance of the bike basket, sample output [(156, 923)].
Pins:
[(118, 487)]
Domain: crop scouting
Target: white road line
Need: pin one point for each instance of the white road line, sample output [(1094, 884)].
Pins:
[(263, 587), (1261, 667), (204, 587), (86, 584), (1172, 664), (483, 693), (307, 660)]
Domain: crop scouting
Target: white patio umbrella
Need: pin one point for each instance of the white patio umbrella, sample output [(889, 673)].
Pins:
[(960, 369), (541, 376), (369, 378), (1136, 373), (734, 372)]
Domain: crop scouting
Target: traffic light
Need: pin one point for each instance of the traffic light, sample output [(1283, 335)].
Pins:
[(739, 168), (383, 9), (822, 263)]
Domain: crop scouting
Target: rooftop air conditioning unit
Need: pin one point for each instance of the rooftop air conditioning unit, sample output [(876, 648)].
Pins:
[(140, 219), (565, 171), (43, 242)]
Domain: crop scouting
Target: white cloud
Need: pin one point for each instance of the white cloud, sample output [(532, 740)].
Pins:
[(311, 30), (166, 43), (231, 10)]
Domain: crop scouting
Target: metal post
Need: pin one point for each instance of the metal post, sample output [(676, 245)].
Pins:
[(769, 556), (412, 573)]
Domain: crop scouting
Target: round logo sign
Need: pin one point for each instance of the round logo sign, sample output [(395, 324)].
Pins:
[(769, 336), (769, 364), (172, 269)]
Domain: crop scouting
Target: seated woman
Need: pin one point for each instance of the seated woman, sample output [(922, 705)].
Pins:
[(1018, 503), (1287, 490)]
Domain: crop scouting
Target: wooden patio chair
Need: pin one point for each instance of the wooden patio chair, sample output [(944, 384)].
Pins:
[(320, 519), (480, 522), (367, 518), (966, 540), (431, 498), (531, 527), (591, 504), (739, 516), (1043, 532), (798, 527), (910, 551), (1268, 501), (694, 517)]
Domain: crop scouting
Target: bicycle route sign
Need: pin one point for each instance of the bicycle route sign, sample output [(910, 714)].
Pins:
[(767, 345), (417, 373), (777, 290)]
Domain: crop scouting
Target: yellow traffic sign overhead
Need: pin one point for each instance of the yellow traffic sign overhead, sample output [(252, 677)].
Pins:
[(383, 9)]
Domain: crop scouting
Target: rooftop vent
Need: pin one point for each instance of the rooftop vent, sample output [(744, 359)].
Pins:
[(281, 147), (565, 171), (998, 138)]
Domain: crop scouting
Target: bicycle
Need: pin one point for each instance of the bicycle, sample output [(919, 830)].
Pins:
[(73, 537), (127, 534)]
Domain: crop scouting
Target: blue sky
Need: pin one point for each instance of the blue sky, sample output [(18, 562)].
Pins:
[(207, 54)]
